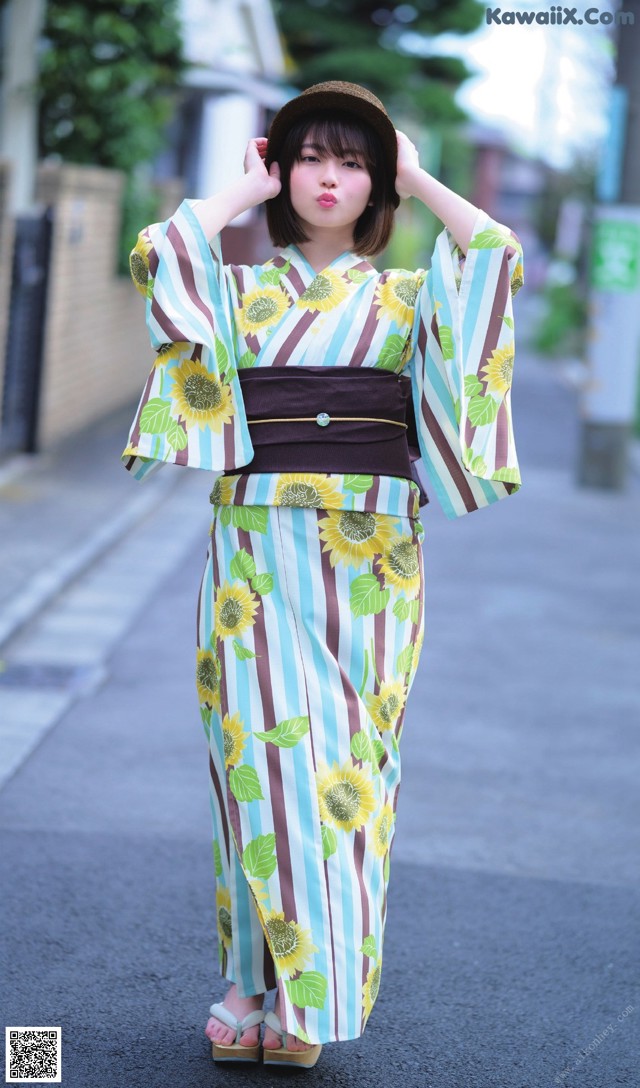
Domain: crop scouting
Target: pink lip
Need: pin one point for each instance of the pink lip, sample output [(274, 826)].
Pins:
[(327, 199)]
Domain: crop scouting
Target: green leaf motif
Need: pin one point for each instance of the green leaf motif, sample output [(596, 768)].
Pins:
[(246, 360), (369, 947), (404, 659), (259, 856), (482, 410), (394, 743), (401, 608), (245, 784), (250, 517), (378, 748), (445, 333), (507, 475), (262, 583), (478, 466), (391, 353), (357, 275), (242, 565), (155, 416), (456, 409), (242, 652), (310, 988), (329, 842), (286, 734), (361, 747), (472, 385), (414, 609), (176, 435), (225, 515), (205, 714), (222, 355), (217, 857), (366, 598), (492, 238), (508, 320), (357, 482), (271, 275)]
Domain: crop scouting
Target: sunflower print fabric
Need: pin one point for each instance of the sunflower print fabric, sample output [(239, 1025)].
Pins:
[(310, 624), (450, 329), (310, 614)]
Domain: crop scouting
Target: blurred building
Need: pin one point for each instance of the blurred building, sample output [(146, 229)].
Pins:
[(73, 341)]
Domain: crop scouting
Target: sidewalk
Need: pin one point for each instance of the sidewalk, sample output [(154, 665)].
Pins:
[(511, 949)]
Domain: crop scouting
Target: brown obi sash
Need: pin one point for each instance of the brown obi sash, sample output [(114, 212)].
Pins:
[(330, 419)]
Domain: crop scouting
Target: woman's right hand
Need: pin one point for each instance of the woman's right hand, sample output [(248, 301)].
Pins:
[(267, 182)]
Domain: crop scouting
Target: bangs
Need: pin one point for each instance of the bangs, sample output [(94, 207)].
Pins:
[(331, 135)]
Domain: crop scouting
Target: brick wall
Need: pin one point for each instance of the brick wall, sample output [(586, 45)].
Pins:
[(97, 352)]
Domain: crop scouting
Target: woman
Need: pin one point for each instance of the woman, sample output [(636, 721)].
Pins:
[(310, 617)]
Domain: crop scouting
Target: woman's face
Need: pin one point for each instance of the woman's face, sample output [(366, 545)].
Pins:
[(327, 190)]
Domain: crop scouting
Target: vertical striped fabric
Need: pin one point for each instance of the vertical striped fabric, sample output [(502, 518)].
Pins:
[(306, 657)]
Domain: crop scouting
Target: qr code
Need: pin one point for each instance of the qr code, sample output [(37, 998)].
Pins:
[(33, 1054)]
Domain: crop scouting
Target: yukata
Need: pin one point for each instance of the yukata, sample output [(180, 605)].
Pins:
[(311, 608)]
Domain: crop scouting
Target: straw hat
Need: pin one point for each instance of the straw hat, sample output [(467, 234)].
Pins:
[(345, 98)]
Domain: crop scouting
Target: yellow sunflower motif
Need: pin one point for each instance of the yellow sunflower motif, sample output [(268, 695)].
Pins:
[(234, 739), (353, 536), (201, 399), (517, 278), (498, 370), (168, 353), (382, 831), (290, 944), (208, 678), (259, 889), (417, 650), (223, 913), (236, 607), (261, 308), (307, 489), (401, 567), (222, 491), (371, 988), (324, 293), (385, 707), (345, 796), (139, 263), (396, 298)]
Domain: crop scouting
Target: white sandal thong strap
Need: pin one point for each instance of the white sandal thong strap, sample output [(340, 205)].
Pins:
[(239, 1026), (272, 1020)]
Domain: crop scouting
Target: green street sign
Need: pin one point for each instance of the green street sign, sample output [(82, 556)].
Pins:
[(615, 264)]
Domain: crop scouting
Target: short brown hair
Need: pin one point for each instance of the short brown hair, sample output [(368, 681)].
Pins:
[(338, 134)]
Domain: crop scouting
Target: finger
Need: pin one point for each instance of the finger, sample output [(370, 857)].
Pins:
[(274, 170)]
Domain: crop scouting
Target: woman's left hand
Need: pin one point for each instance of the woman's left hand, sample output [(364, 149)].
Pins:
[(408, 165)]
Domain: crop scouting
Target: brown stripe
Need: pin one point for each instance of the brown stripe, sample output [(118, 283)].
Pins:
[(287, 348), (251, 339), (224, 709), (502, 436), (371, 497), (365, 339), (359, 839), (135, 433), (492, 335), (295, 280), (186, 272), (450, 460)]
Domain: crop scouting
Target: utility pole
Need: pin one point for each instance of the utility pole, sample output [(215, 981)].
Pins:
[(21, 23), (613, 352)]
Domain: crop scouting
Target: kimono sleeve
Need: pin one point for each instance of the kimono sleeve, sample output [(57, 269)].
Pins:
[(191, 410), (461, 367)]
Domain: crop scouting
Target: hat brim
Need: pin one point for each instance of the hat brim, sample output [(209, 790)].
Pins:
[(359, 108)]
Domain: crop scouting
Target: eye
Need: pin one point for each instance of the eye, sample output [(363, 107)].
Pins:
[(309, 158), (352, 162)]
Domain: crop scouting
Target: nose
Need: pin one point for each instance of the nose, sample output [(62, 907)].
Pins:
[(329, 174)]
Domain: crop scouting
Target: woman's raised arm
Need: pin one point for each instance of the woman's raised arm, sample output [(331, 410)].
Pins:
[(257, 185)]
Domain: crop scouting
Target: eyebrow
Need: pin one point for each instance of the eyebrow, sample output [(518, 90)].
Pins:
[(345, 150)]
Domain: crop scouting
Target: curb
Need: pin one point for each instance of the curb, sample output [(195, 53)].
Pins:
[(46, 585)]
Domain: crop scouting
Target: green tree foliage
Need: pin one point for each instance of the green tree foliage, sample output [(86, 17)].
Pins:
[(383, 46), (108, 73)]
